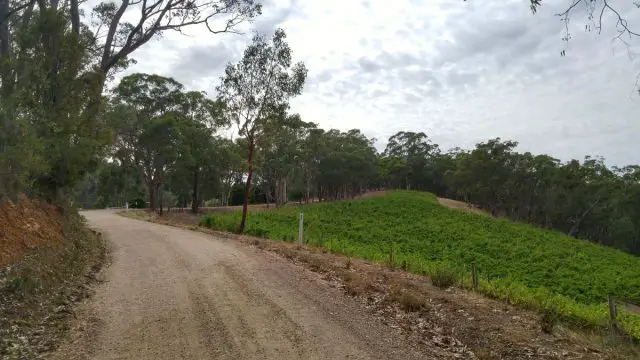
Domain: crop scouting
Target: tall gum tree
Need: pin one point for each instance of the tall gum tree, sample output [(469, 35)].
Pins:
[(257, 89), (147, 127)]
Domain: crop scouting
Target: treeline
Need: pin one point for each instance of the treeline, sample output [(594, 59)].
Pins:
[(584, 199), (297, 161)]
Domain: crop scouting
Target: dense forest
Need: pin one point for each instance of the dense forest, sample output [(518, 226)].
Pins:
[(66, 135)]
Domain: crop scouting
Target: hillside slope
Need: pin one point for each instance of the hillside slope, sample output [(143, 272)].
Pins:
[(47, 260), (26, 225), (525, 264)]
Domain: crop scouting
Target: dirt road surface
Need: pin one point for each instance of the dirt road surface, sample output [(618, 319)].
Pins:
[(171, 293)]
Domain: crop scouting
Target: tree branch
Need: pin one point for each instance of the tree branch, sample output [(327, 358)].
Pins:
[(622, 25), (17, 9), (106, 62)]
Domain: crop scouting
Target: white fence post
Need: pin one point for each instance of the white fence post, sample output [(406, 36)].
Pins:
[(301, 229)]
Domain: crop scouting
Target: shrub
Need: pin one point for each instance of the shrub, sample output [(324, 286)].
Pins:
[(443, 278)]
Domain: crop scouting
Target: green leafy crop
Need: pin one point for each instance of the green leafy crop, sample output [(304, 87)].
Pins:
[(531, 267)]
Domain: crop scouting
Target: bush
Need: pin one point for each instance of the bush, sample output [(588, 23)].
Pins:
[(138, 204), (408, 300), (443, 278)]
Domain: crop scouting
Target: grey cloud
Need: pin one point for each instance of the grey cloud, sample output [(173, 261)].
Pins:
[(369, 66), (273, 16), (476, 39), (345, 88), (419, 77), (202, 61), (377, 93), (461, 78), (325, 75), (428, 91), (316, 80), (412, 98)]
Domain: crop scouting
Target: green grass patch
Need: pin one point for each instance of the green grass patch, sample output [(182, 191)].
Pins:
[(531, 267)]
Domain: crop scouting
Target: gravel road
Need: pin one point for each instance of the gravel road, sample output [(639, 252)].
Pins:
[(178, 294)]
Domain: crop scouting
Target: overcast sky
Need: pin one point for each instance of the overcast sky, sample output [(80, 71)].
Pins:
[(462, 72)]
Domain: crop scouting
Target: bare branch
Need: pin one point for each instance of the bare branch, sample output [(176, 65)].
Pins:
[(173, 15), (602, 6), (17, 9)]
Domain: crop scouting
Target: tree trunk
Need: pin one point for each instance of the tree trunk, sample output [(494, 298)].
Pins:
[(224, 197), (152, 197), (576, 225), (281, 192), (267, 193), (285, 198), (5, 48), (195, 204), (247, 187), (308, 189), (75, 17)]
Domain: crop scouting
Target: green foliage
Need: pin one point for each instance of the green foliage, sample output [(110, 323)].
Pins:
[(407, 158), (42, 102), (138, 204), (166, 135), (529, 266)]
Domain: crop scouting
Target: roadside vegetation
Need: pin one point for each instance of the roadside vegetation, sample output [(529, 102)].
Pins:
[(52, 258), (528, 266)]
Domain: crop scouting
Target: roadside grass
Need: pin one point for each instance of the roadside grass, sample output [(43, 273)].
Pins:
[(37, 293), (528, 266)]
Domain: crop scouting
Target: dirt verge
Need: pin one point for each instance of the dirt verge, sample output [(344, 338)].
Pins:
[(461, 205), (26, 225), (48, 262)]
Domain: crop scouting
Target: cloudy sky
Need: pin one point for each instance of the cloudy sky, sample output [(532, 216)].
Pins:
[(462, 72)]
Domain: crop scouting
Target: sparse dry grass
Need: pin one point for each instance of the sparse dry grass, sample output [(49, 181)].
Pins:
[(408, 300), (461, 205)]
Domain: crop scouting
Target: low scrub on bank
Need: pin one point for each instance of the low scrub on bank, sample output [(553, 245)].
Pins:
[(43, 276), (529, 266)]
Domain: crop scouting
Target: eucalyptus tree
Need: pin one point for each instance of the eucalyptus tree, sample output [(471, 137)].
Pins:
[(257, 89), (407, 158), (149, 119), (281, 150)]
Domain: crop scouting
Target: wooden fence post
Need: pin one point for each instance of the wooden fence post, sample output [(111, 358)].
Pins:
[(391, 256), (301, 229), (613, 312), (474, 277)]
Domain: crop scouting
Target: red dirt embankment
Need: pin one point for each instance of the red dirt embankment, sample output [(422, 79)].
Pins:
[(26, 225)]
